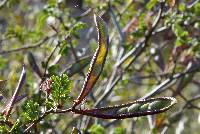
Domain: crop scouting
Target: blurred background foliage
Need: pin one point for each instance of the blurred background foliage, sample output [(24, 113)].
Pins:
[(52, 37)]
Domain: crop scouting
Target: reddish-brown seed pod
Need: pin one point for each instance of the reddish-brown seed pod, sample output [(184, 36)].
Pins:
[(97, 62), (121, 111)]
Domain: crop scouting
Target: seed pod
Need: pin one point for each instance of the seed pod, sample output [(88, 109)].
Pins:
[(134, 107), (126, 110), (158, 105), (144, 107), (97, 62), (122, 110)]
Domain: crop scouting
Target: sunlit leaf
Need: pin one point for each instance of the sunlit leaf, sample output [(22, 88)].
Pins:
[(60, 87), (119, 130), (16, 127), (96, 129), (151, 4), (31, 110), (98, 60), (132, 109)]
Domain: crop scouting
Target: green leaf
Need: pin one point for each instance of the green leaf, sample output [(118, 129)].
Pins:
[(141, 29), (52, 2), (182, 7), (196, 9), (97, 129), (64, 48), (3, 129), (31, 110), (16, 128), (119, 130), (78, 26), (41, 21), (179, 31), (3, 63), (182, 35), (151, 4), (60, 88)]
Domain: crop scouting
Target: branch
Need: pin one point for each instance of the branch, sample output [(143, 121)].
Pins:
[(49, 58), (38, 44), (44, 115), (162, 86), (116, 24), (141, 46)]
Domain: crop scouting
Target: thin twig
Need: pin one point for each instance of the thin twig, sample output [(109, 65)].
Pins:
[(140, 47), (38, 44), (49, 58), (115, 22), (188, 102), (44, 115), (162, 87)]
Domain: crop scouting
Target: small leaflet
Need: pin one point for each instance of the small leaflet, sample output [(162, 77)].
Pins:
[(133, 109), (98, 60)]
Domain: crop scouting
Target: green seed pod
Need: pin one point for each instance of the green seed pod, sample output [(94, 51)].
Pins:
[(122, 110), (156, 105), (134, 107), (144, 107)]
